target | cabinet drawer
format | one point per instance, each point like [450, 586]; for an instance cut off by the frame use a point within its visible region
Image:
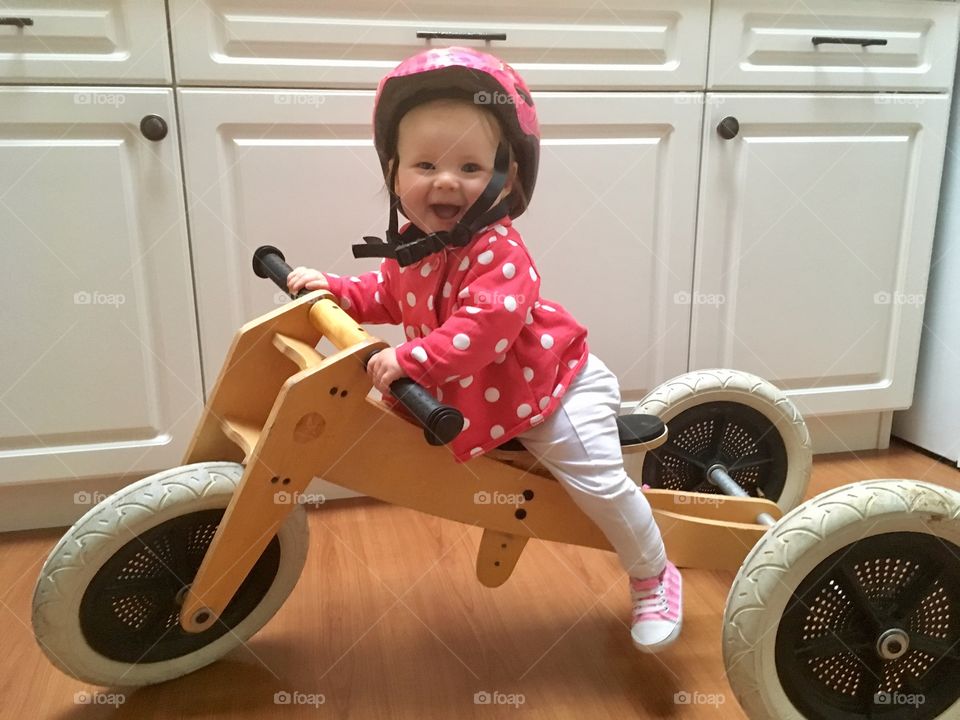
[121, 41]
[572, 44]
[845, 44]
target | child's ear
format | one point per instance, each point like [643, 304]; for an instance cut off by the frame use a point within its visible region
[511, 177]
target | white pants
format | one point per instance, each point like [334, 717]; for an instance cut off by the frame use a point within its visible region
[580, 444]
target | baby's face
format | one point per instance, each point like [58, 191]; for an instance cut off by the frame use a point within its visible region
[445, 152]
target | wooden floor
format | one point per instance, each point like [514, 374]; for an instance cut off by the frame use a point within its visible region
[388, 621]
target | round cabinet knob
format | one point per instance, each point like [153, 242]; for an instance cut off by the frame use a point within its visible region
[153, 127]
[728, 128]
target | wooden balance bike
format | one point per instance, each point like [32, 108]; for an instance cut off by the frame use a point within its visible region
[847, 606]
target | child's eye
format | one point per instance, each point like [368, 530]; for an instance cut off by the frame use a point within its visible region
[472, 168]
[424, 165]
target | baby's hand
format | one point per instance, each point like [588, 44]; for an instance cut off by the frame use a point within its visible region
[383, 368]
[304, 277]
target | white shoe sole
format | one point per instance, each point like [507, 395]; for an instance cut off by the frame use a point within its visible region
[657, 647]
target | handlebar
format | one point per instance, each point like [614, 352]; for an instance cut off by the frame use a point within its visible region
[441, 423]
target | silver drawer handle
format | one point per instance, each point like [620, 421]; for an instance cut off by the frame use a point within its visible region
[864, 42]
[19, 22]
[443, 35]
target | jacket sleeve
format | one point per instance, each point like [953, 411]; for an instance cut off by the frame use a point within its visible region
[499, 292]
[367, 298]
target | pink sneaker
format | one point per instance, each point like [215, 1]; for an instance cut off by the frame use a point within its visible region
[657, 609]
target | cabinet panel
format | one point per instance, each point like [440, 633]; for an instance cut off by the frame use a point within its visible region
[611, 226]
[833, 45]
[561, 45]
[101, 369]
[814, 241]
[292, 169]
[121, 41]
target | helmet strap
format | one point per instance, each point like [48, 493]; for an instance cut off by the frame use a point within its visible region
[414, 244]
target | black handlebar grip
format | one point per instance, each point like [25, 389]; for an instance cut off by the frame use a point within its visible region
[269, 262]
[441, 423]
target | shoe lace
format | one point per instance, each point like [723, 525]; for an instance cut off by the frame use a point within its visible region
[652, 599]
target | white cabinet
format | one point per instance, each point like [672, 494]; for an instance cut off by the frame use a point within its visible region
[833, 45]
[573, 44]
[291, 169]
[797, 249]
[611, 226]
[100, 362]
[115, 41]
[814, 239]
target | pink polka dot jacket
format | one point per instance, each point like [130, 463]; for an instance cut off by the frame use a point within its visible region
[478, 333]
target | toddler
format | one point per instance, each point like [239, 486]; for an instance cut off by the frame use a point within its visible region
[458, 140]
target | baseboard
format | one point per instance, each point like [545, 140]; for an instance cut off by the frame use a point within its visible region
[847, 433]
[60, 503]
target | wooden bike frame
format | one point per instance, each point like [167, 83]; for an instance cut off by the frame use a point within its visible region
[290, 414]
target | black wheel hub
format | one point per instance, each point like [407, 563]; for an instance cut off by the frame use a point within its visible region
[874, 631]
[740, 439]
[130, 611]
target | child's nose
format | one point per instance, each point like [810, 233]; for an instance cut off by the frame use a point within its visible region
[446, 181]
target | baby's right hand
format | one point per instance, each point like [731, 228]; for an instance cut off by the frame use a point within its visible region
[304, 277]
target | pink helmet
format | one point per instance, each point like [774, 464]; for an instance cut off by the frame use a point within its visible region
[460, 72]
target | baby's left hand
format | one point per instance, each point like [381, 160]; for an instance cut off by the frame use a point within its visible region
[383, 368]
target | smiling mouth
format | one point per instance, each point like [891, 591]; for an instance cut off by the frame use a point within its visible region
[445, 212]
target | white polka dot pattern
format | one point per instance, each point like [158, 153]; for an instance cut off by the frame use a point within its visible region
[477, 333]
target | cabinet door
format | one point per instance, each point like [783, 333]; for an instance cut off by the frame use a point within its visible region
[814, 242]
[296, 170]
[118, 41]
[611, 226]
[100, 365]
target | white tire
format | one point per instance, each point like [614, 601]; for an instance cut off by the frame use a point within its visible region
[178, 497]
[763, 421]
[807, 626]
